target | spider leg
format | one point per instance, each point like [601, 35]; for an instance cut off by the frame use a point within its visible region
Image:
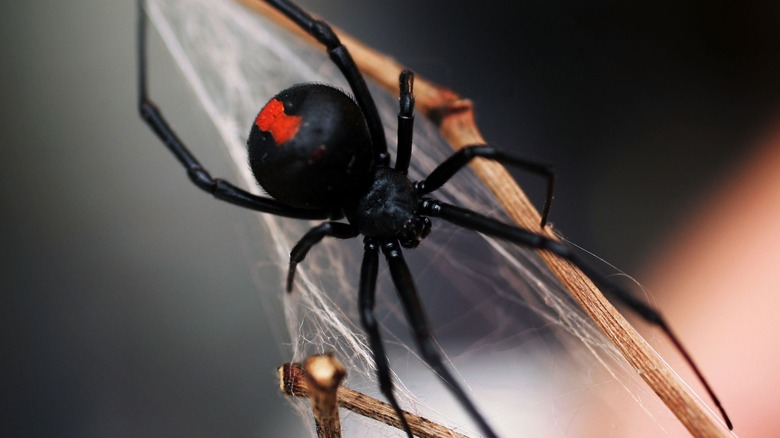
[221, 189]
[477, 222]
[404, 284]
[462, 157]
[368, 274]
[340, 56]
[314, 236]
[405, 121]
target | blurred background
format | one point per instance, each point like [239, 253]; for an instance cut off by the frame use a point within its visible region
[125, 291]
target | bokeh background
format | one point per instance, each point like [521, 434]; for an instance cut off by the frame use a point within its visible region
[127, 305]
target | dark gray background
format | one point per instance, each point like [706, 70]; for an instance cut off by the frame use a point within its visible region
[127, 304]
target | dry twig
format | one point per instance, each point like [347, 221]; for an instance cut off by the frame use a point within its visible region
[295, 380]
[323, 375]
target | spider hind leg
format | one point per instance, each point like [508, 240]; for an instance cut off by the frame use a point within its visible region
[341, 57]
[200, 177]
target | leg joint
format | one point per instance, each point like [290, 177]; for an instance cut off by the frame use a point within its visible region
[201, 178]
[325, 35]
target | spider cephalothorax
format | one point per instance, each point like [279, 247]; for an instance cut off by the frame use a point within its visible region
[388, 208]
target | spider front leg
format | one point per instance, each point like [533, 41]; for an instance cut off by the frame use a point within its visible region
[366, 295]
[462, 157]
[404, 284]
[459, 159]
[491, 227]
[405, 120]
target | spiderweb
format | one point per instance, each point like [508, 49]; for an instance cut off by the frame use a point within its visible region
[532, 361]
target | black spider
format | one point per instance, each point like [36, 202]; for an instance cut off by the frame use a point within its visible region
[322, 155]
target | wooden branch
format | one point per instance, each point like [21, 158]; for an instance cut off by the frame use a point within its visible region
[455, 118]
[323, 375]
[295, 380]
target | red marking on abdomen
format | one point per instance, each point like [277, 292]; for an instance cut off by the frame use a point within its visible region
[273, 119]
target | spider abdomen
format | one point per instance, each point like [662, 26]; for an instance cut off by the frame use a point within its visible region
[310, 147]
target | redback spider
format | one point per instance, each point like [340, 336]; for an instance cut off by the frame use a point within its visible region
[320, 154]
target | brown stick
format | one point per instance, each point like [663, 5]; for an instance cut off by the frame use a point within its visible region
[323, 375]
[294, 381]
[455, 118]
